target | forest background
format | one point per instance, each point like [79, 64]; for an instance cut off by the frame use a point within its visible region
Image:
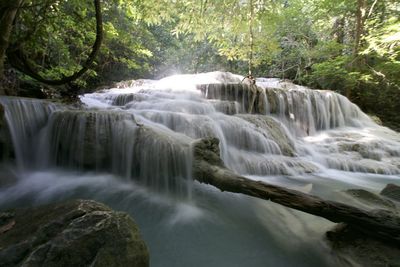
[349, 46]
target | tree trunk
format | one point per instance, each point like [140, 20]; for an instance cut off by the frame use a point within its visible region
[251, 35]
[338, 30]
[360, 19]
[209, 169]
[359, 30]
[8, 10]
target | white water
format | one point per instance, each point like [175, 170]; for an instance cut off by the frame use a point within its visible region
[131, 148]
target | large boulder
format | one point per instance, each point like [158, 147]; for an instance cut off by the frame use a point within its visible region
[75, 233]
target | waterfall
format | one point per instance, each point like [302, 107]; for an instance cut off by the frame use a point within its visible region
[144, 132]
[132, 148]
[114, 141]
[25, 119]
[303, 110]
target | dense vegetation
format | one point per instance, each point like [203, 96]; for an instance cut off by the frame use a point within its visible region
[352, 47]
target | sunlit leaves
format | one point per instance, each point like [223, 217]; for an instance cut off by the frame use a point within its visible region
[385, 41]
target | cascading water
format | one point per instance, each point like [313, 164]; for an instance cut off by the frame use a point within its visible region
[132, 149]
[25, 118]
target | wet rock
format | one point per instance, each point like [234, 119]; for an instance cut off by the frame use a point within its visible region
[250, 97]
[272, 100]
[355, 163]
[226, 107]
[370, 200]
[8, 176]
[207, 149]
[368, 150]
[125, 84]
[123, 99]
[353, 248]
[376, 119]
[84, 138]
[272, 129]
[160, 160]
[391, 191]
[75, 233]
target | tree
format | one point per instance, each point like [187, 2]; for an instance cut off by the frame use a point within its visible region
[22, 63]
[8, 12]
[235, 28]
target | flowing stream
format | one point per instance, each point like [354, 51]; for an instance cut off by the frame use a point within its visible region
[131, 148]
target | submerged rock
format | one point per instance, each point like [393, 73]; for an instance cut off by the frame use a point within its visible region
[75, 233]
[353, 248]
[369, 199]
[391, 191]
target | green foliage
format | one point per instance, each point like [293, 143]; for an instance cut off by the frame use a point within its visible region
[332, 74]
[312, 42]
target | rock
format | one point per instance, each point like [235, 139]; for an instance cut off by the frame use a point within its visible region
[272, 100]
[272, 129]
[370, 199]
[124, 84]
[376, 119]
[123, 99]
[250, 98]
[84, 138]
[353, 248]
[75, 233]
[226, 107]
[391, 191]
[207, 149]
[8, 176]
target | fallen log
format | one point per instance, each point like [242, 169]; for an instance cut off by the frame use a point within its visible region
[208, 168]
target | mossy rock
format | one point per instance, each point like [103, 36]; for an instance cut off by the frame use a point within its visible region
[75, 233]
